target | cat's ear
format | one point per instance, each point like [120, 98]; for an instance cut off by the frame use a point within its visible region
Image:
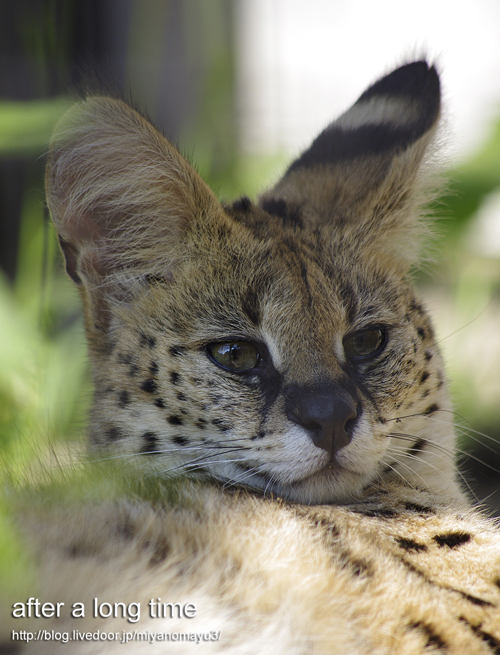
[362, 173]
[119, 193]
[121, 197]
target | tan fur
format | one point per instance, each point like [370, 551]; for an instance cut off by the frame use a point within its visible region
[277, 577]
[290, 536]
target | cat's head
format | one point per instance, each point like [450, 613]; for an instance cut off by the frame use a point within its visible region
[277, 344]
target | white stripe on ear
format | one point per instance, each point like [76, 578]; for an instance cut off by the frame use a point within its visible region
[379, 110]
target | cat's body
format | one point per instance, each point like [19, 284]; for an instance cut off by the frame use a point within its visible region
[272, 362]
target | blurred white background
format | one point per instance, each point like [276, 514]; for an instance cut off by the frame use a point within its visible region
[300, 63]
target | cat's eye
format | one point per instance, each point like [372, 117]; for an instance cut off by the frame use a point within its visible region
[238, 356]
[365, 343]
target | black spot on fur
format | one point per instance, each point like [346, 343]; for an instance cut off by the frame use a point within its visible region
[156, 280]
[383, 513]
[150, 445]
[433, 639]
[160, 553]
[175, 378]
[133, 370]
[480, 602]
[124, 358]
[417, 447]
[223, 427]
[431, 409]
[290, 214]
[147, 340]
[425, 376]
[417, 307]
[488, 638]
[421, 509]
[326, 525]
[201, 423]
[180, 441]
[260, 435]
[180, 396]
[359, 567]
[123, 399]
[354, 565]
[177, 351]
[114, 433]
[452, 539]
[428, 356]
[410, 545]
[175, 420]
[126, 530]
[79, 549]
[159, 402]
[153, 367]
[421, 333]
[149, 386]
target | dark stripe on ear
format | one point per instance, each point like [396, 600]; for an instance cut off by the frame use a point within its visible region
[336, 145]
[417, 83]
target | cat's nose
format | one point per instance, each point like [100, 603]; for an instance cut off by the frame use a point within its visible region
[328, 415]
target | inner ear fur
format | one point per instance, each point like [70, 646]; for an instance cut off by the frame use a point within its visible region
[122, 199]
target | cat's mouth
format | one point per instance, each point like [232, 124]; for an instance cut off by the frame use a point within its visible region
[332, 484]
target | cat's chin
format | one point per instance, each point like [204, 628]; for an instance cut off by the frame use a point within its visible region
[331, 484]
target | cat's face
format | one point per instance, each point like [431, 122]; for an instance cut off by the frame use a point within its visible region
[273, 345]
[270, 360]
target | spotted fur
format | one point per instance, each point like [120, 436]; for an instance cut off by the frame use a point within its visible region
[317, 505]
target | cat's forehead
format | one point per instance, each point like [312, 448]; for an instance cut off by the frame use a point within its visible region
[278, 235]
[265, 266]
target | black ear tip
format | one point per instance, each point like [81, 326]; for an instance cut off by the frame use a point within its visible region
[388, 117]
[416, 80]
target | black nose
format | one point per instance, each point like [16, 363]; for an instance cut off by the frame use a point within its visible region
[328, 414]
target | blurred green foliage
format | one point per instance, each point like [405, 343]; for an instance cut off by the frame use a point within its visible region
[471, 182]
[25, 127]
